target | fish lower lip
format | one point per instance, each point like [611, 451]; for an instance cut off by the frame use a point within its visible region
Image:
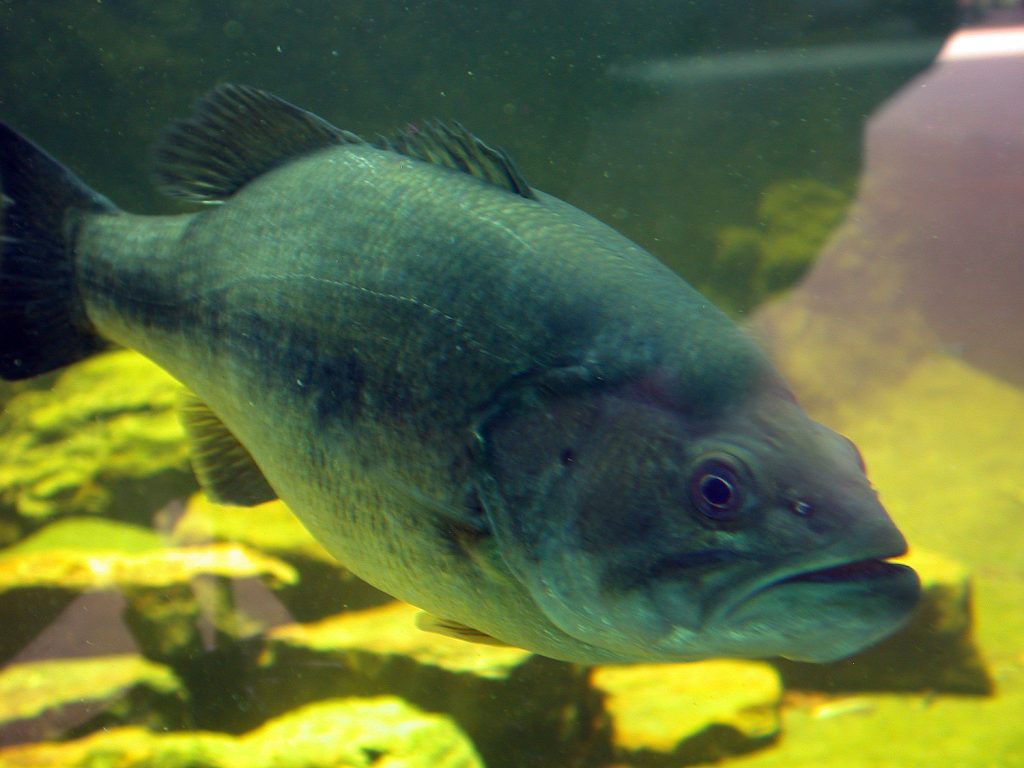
[859, 570]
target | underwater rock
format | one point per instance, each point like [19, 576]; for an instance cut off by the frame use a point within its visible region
[82, 571]
[105, 439]
[27, 610]
[934, 652]
[323, 587]
[929, 257]
[25, 613]
[384, 732]
[9, 389]
[61, 698]
[680, 714]
[354, 733]
[88, 534]
[509, 701]
[40, 576]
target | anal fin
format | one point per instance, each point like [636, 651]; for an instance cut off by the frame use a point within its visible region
[430, 623]
[226, 470]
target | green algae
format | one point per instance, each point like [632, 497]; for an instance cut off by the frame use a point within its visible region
[270, 527]
[901, 731]
[35, 586]
[390, 630]
[91, 570]
[942, 444]
[104, 440]
[323, 586]
[679, 714]
[936, 650]
[86, 534]
[353, 733]
[384, 732]
[28, 608]
[500, 696]
[111, 690]
[795, 219]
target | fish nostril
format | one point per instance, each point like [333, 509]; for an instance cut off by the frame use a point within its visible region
[803, 508]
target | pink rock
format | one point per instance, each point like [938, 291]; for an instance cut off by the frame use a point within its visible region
[932, 253]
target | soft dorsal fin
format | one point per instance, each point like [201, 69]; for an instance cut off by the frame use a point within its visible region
[236, 134]
[430, 623]
[452, 146]
[226, 470]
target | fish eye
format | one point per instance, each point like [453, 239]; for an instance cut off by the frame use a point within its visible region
[715, 490]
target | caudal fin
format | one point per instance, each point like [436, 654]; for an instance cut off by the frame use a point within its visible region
[43, 324]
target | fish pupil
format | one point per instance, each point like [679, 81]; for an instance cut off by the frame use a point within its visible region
[716, 490]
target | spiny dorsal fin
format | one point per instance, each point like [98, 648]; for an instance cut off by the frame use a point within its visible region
[226, 470]
[430, 623]
[452, 146]
[236, 134]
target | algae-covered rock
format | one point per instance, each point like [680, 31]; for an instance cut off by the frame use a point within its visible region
[680, 714]
[87, 534]
[323, 586]
[934, 652]
[354, 733]
[384, 732]
[796, 218]
[38, 580]
[90, 570]
[26, 609]
[104, 439]
[9, 389]
[898, 731]
[508, 700]
[58, 698]
[270, 527]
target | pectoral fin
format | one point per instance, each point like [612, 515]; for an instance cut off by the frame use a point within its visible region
[226, 470]
[449, 628]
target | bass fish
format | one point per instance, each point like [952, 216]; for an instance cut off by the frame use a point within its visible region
[480, 399]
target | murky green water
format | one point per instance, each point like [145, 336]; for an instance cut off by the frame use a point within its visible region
[812, 169]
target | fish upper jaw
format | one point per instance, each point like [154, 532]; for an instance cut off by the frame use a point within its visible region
[856, 557]
[819, 607]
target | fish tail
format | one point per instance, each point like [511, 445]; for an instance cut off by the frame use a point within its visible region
[43, 323]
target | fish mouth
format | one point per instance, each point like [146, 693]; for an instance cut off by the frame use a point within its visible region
[865, 569]
[703, 565]
[857, 570]
[874, 573]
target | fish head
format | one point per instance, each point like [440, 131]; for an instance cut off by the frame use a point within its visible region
[653, 533]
